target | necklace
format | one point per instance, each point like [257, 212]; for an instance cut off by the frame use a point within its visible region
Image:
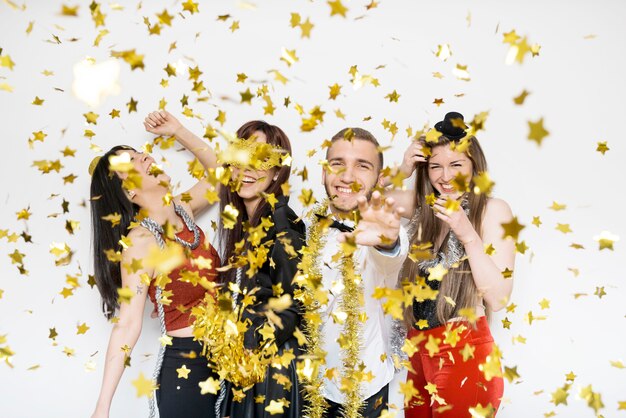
[157, 230]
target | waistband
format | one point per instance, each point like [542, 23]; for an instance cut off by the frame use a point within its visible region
[467, 332]
[183, 346]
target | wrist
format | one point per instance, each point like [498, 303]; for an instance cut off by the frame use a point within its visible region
[388, 247]
[179, 131]
[471, 240]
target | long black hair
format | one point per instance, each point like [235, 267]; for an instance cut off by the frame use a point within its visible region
[229, 237]
[107, 198]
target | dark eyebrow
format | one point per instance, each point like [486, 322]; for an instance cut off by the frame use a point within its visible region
[359, 160]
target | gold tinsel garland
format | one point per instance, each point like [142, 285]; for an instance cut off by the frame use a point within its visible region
[312, 294]
[221, 330]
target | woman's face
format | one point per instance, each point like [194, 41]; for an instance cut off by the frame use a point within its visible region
[253, 182]
[145, 167]
[444, 165]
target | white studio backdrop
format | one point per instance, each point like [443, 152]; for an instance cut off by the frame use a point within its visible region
[576, 85]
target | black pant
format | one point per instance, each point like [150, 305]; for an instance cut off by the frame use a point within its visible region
[372, 407]
[180, 397]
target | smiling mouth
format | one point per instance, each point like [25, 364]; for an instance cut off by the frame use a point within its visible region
[344, 190]
[447, 188]
[248, 180]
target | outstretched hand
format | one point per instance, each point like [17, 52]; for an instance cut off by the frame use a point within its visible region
[161, 123]
[379, 225]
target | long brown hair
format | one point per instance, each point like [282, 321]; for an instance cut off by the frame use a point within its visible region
[230, 237]
[458, 283]
[108, 197]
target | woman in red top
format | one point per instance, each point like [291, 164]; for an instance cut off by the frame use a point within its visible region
[128, 185]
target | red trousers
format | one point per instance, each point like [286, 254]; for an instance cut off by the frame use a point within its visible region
[451, 365]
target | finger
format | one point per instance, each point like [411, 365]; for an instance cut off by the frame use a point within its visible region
[375, 200]
[362, 203]
[389, 202]
[443, 217]
[148, 127]
[154, 121]
[398, 212]
[162, 118]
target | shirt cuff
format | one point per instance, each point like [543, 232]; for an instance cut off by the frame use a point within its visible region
[391, 252]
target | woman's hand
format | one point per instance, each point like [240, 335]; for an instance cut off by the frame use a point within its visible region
[457, 220]
[162, 123]
[412, 156]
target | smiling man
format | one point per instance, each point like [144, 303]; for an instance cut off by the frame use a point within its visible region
[350, 177]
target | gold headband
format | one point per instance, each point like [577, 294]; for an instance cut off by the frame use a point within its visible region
[242, 153]
[93, 164]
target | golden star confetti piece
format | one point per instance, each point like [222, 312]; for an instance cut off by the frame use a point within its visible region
[132, 105]
[144, 387]
[461, 73]
[564, 228]
[38, 102]
[289, 56]
[62, 252]
[606, 240]
[82, 329]
[91, 118]
[512, 229]
[519, 100]
[557, 206]
[190, 6]
[337, 8]
[479, 411]
[234, 26]
[275, 407]
[537, 132]
[602, 147]
[593, 399]
[130, 57]
[599, 292]
[393, 97]
[443, 52]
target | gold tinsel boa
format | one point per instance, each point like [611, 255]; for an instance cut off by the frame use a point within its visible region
[313, 295]
[221, 330]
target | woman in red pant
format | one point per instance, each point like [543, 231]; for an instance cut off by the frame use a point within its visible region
[455, 366]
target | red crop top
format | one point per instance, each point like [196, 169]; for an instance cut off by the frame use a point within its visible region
[185, 295]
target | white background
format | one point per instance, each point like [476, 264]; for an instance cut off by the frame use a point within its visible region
[576, 84]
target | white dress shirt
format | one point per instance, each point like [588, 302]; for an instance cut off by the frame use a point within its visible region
[377, 269]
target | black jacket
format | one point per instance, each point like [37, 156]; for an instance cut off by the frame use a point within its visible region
[281, 270]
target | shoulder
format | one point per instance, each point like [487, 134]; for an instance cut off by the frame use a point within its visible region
[286, 220]
[497, 208]
[140, 241]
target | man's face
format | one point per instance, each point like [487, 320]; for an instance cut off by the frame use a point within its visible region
[353, 171]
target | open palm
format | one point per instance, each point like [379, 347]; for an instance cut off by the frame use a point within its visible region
[379, 224]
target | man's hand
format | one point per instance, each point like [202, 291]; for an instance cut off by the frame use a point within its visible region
[379, 225]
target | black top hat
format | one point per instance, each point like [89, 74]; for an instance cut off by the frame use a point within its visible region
[452, 126]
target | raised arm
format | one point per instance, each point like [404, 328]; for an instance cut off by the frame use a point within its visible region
[163, 123]
[126, 331]
[405, 198]
[487, 270]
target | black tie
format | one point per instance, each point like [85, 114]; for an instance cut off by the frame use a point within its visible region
[337, 225]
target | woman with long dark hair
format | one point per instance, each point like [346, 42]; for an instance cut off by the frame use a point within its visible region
[455, 367]
[133, 211]
[260, 196]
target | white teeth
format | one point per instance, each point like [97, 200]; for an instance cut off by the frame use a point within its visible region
[344, 190]
[248, 180]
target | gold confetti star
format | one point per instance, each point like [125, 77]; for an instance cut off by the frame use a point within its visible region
[132, 105]
[165, 18]
[210, 385]
[337, 8]
[234, 26]
[564, 228]
[82, 329]
[537, 131]
[605, 240]
[443, 52]
[131, 57]
[393, 97]
[519, 100]
[190, 6]
[335, 90]
[91, 118]
[275, 407]
[183, 372]
[512, 229]
[144, 387]
[306, 27]
[557, 206]
[602, 147]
